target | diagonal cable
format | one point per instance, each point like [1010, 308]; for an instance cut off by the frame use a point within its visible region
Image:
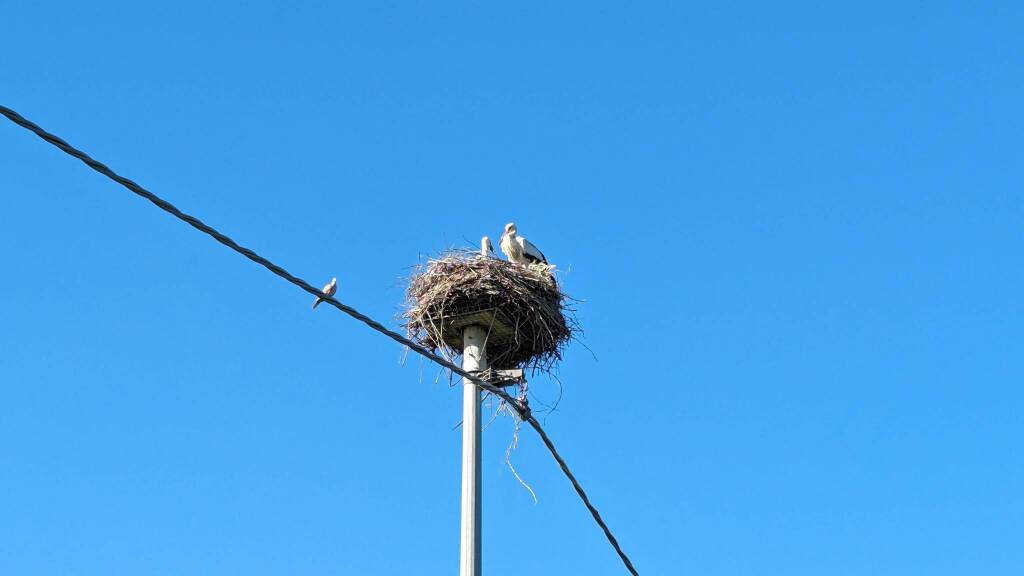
[520, 407]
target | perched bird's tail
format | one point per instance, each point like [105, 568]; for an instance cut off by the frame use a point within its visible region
[317, 303]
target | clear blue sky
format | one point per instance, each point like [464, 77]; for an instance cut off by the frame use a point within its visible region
[797, 229]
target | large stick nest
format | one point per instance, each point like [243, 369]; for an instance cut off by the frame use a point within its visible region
[528, 319]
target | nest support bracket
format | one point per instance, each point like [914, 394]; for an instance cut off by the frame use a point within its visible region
[502, 378]
[497, 324]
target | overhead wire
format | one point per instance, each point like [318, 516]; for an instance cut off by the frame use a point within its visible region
[521, 408]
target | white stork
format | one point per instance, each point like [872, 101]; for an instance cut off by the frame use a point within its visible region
[485, 247]
[519, 250]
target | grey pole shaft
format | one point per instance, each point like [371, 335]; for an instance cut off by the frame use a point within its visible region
[474, 357]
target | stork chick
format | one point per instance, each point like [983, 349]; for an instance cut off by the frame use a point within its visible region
[486, 249]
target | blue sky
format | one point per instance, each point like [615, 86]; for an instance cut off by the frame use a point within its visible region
[796, 228]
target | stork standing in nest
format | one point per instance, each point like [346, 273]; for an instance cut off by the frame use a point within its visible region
[519, 250]
[486, 249]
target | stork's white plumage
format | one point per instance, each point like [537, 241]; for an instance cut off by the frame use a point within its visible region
[519, 250]
[486, 249]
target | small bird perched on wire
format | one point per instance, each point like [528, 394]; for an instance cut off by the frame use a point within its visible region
[328, 290]
[519, 250]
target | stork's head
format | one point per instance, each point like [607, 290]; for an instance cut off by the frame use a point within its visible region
[510, 228]
[485, 246]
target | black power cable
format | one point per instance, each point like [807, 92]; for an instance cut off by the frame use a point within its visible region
[521, 408]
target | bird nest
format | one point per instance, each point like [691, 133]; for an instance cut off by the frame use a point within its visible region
[528, 319]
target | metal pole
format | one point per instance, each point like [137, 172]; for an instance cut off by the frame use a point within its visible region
[474, 357]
